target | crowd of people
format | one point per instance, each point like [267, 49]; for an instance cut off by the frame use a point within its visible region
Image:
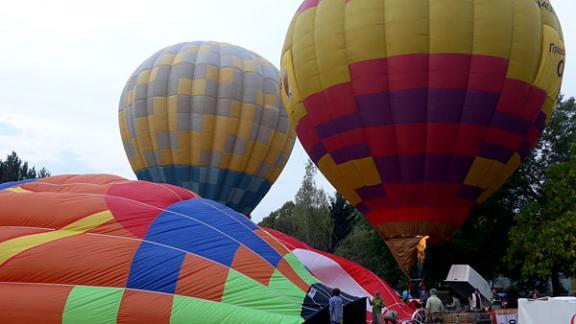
[430, 302]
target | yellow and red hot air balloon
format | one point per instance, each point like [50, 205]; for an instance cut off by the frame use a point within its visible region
[416, 110]
[208, 117]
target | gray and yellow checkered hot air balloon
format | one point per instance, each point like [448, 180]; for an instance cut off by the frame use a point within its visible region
[207, 116]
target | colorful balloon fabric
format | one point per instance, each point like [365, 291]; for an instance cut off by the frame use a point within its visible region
[352, 278]
[417, 110]
[103, 249]
[208, 117]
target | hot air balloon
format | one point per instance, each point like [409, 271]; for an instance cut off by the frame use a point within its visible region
[103, 249]
[352, 278]
[418, 110]
[208, 117]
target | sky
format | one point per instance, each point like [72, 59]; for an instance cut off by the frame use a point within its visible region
[63, 65]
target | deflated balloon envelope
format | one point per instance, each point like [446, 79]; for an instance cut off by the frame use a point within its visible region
[418, 110]
[207, 116]
[350, 277]
[103, 249]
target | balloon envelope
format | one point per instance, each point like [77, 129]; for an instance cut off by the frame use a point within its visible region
[207, 116]
[103, 249]
[417, 110]
[350, 277]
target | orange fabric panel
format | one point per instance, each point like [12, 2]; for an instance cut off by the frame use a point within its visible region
[27, 304]
[201, 278]
[8, 233]
[66, 188]
[30, 209]
[113, 228]
[144, 307]
[281, 249]
[252, 265]
[99, 179]
[89, 260]
[285, 268]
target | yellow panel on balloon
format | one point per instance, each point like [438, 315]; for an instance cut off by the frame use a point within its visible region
[153, 74]
[353, 177]
[549, 77]
[130, 98]
[526, 43]
[212, 72]
[273, 175]
[330, 39]
[338, 180]
[235, 108]
[482, 172]
[549, 106]
[159, 105]
[451, 26]
[368, 171]
[249, 66]
[198, 87]
[172, 104]
[248, 112]
[548, 15]
[492, 28]
[184, 87]
[407, 27]
[143, 77]
[167, 59]
[501, 176]
[237, 163]
[226, 75]
[270, 100]
[304, 55]
[158, 123]
[144, 143]
[360, 17]
[225, 161]
[142, 126]
[165, 157]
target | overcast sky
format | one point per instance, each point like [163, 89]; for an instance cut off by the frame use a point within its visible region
[63, 65]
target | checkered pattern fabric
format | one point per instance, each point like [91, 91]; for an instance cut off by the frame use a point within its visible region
[207, 116]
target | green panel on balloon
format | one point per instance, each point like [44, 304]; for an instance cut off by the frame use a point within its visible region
[300, 269]
[187, 310]
[92, 305]
[243, 291]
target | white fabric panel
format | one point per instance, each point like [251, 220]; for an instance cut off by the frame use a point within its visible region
[552, 310]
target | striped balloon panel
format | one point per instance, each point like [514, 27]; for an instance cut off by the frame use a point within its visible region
[100, 248]
[207, 116]
[416, 110]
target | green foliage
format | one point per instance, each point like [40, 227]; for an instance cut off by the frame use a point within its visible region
[308, 217]
[344, 217]
[543, 241]
[14, 169]
[364, 246]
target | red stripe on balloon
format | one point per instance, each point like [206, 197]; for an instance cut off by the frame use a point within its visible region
[307, 4]
[446, 215]
[437, 71]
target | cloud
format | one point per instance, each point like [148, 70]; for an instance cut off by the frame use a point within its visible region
[63, 146]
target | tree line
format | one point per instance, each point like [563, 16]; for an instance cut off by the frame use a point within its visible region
[526, 231]
[12, 168]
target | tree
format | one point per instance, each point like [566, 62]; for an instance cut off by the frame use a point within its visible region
[364, 246]
[308, 217]
[14, 169]
[281, 219]
[343, 216]
[543, 241]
